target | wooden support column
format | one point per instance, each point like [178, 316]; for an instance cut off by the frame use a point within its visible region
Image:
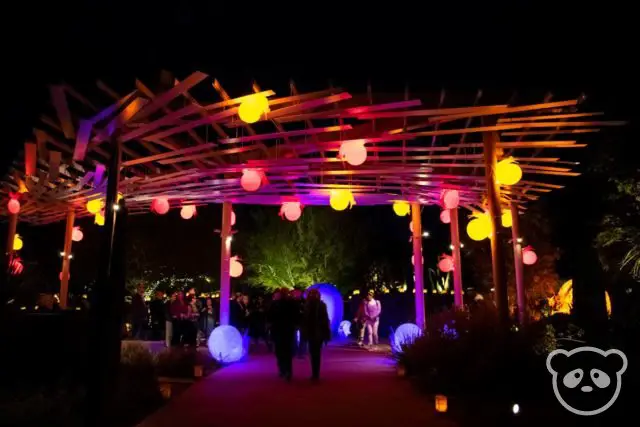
[490, 139]
[11, 234]
[225, 260]
[417, 264]
[457, 262]
[517, 262]
[66, 260]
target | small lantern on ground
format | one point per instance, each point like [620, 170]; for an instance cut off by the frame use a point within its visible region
[441, 403]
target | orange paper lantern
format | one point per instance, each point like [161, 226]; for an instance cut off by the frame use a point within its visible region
[188, 211]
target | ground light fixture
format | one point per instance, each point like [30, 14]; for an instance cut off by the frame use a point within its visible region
[515, 409]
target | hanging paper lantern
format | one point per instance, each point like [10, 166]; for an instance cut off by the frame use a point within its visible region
[252, 108]
[529, 256]
[445, 216]
[450, 199]
[341, 199]
[60, 276]
[188, 211]
[233, 218]
[411, 226]
[413, 260]
[479, 228]
[17, 242]
[16, 267]
[291, 210]
[13, 206]
[508, 172]
[401, 208]
[77, 234]
[506, 219]
[251, 179]
[446, 264]
[160, 205]
[353, 152]
[99, 218]
[236, 268]
[94, 206]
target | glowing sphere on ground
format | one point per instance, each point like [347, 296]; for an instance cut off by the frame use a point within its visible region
[291, 210]
[341, 199]
[160, 205]
[450, 199]
[353, 152]
[225, 344]
[235, 268]
[446, 264]
[506, 219]
[94, 206]
[17, 242]
[445, 216]
[344, 329]
[188, 211]
[404, 335]
[479, 228]
[252, 108]
[13, 206]
[77, 234]
[529, 256]
[251, 180]
[401, 208]
[99, 219]
[508, 172]
[330, 295]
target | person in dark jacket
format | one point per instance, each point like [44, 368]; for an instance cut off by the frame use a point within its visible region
[284, 317]
[239, 313]
[180, 318]
[139, 313]
[156, 313]
[315, 329]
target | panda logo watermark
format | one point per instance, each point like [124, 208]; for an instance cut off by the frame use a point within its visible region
[587, 380]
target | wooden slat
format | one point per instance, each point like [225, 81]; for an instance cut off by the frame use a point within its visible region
[163, 99]
[287, 134]
[162, 156]
[550, 117]
[59, 100]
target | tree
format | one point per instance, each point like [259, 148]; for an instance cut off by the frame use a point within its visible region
[316, 248]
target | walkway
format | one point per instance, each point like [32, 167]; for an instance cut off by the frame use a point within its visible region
[357, 388]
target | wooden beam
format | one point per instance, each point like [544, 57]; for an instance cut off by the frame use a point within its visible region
[550, 117]
[66, 260]
[277, 135]
[225, 260]
[418, 272]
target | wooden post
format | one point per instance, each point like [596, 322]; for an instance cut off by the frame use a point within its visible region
[457, 262]
[11, 234]
[490, 140]
[66, 260]
[517, 262]
[225, 260]
[417, 264]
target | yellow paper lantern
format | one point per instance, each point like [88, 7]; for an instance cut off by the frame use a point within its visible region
[441, 403]
[341, 199]
[479, 228]
[401, 208]
[508, 172]
[94, 206]
[99, 219]
[17, 242]
[252, 108]
[506, 219]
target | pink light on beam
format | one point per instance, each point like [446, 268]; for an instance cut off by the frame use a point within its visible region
[188, 211]
[77, 234]
[450, 199]
[529, 256]
[251, 179]
[160, 205]
[353, 152]
[291, 211]
[445, 216]
[446, 264]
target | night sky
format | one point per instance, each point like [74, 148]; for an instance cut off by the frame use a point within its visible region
[502, 46]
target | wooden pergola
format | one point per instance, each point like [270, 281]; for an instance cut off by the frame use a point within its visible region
[185, 142]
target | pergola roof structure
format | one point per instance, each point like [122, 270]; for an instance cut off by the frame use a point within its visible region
[194, 151]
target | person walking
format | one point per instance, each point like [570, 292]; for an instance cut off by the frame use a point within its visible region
[372, 310]
[193, 324]
[283, 317]
[315, 329]
[360, 322]
[157, 313]
[139, 314]
[208, 317]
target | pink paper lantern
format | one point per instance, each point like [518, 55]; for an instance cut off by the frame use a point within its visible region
[413, 260]
[411, 226]
[353, 152]
[291, 210]
[445, 216]
[235, 268]
[446, 264]
[60, 276]
[450, 199]
[160, 205]
[13, 206]
[251, 179]
[188, 211]
[77, 234]
[233, 218]
[529, 256]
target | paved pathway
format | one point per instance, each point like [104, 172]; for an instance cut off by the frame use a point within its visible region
[357, 388]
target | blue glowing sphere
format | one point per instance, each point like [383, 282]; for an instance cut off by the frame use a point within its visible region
[226, 344]
[344, 330]
[330, 295]
[405, 334]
